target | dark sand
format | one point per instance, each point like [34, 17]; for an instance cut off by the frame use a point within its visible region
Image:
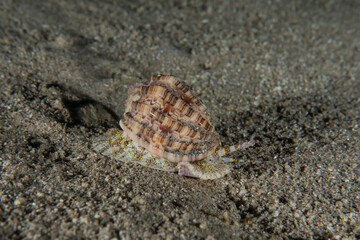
[286, 71]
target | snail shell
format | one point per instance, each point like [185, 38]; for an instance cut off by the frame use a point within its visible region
[166, 118]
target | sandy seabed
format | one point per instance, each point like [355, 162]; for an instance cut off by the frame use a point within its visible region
[287, 72]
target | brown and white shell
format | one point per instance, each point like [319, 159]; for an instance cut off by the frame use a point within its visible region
[167, 119]
[167, 127]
